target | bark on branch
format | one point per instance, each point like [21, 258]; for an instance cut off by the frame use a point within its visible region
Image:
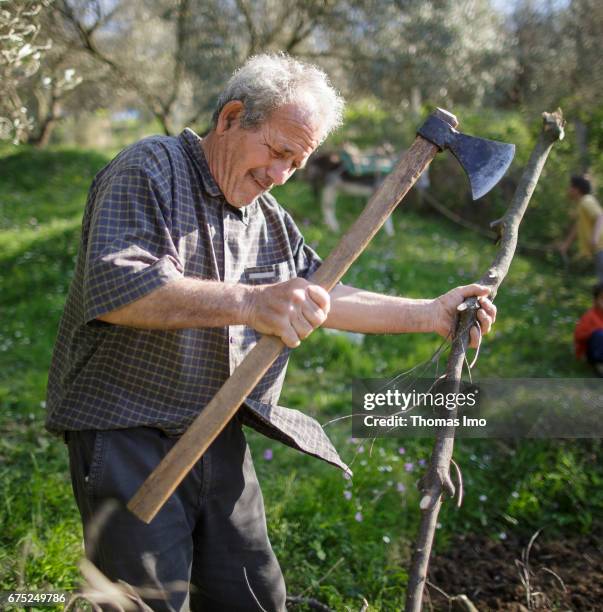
[436, 480]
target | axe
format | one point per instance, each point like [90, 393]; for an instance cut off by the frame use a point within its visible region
[484, 161]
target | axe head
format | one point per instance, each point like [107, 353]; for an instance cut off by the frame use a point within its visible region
[484, 161]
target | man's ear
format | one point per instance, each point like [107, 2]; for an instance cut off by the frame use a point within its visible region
[229, 116]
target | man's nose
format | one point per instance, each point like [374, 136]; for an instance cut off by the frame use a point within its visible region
[279, 171]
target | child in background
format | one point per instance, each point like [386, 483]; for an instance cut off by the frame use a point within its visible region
[588, 335]
[588, 227]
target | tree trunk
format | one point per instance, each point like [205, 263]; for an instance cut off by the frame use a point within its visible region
[41, 139]
[166, 124]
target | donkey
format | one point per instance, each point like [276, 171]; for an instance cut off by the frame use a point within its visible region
[352, 172]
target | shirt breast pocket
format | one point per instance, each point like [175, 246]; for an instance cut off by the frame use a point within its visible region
[267, 274]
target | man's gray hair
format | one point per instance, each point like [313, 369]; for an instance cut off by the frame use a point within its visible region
[268, 81]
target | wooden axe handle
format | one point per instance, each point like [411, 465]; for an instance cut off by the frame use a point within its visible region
[163, 481]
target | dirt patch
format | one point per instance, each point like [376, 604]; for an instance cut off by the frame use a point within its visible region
[564, 574]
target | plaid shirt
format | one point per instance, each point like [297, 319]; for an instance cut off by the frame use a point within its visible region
[155, 214]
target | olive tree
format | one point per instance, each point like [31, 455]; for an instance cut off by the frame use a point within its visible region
[21, 52]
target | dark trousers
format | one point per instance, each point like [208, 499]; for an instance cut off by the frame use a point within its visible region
[211, 534]
[594, 347]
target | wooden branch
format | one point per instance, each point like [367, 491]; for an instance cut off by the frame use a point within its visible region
[436, 480]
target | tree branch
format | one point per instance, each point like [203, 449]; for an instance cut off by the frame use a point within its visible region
[436, 480]
[253, 34]
[299, 34]
[85, 35]
[305, 27]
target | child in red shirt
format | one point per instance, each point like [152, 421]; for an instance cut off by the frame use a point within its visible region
[588, 335]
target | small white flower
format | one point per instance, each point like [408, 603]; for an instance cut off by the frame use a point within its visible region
[386, 539]
[483, 498]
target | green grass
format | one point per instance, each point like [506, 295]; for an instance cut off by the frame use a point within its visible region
[324, 550]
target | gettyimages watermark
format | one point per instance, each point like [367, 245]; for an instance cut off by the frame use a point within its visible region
[489, 408]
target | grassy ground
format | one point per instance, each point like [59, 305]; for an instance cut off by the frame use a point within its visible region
[337, 541]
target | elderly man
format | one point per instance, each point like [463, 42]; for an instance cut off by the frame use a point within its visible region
[185, 259]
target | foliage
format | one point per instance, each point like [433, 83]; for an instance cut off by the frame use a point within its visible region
[20, 56]
[369, 123]
[441, 51]
[197, 45]
[405, 56]
[404, 53]
[316, 517]
[560, 54]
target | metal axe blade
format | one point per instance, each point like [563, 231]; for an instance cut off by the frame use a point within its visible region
[484, 161]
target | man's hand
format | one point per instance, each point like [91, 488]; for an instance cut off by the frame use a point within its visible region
[445, 311]
[289, 310]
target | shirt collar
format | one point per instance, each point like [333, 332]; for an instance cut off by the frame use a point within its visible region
[242, 213]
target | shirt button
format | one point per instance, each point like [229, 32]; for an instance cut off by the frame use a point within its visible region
[231, 340]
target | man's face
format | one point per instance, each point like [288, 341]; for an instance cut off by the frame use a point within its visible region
[252, 161]
[599, 301]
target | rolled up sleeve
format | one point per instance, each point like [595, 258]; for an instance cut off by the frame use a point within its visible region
[130, 250]
[305, 258]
